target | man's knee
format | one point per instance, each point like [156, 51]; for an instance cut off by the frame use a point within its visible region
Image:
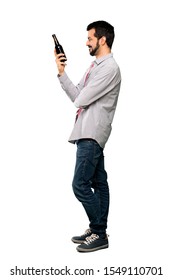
[77, 189]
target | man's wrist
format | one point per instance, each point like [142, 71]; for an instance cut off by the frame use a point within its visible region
[60, 74]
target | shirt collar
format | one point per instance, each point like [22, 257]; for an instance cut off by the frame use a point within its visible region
[101, 59]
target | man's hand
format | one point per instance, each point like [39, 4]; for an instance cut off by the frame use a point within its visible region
[60, 65]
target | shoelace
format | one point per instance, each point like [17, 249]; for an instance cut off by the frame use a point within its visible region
[91, 238]
[86, 232]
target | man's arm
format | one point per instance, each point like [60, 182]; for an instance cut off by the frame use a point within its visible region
[71, 90]
[99, 86]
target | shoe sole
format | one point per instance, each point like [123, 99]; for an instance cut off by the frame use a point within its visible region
[77, 241]
[82, 250]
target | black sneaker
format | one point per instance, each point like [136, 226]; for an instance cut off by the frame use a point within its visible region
[93, 243]
[80, 239]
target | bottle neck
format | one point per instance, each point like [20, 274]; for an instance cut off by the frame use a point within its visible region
[55, 39]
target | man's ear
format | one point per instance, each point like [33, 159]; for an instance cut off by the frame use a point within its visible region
[103, 40]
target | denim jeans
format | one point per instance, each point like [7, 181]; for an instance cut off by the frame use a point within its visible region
[90, 184]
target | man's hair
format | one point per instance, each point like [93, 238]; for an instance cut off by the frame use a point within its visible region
[103, 28]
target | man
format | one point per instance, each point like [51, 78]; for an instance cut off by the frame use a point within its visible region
[95, 97]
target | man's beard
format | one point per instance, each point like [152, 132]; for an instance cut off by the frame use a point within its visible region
[93, 52]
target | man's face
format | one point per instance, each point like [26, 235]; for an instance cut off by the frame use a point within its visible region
[92, 43]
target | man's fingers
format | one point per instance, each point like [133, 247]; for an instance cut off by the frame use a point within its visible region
[58, 56]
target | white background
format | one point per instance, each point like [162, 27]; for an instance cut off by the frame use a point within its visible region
[39, 213]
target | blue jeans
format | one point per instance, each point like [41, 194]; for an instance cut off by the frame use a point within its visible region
[90, 184]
